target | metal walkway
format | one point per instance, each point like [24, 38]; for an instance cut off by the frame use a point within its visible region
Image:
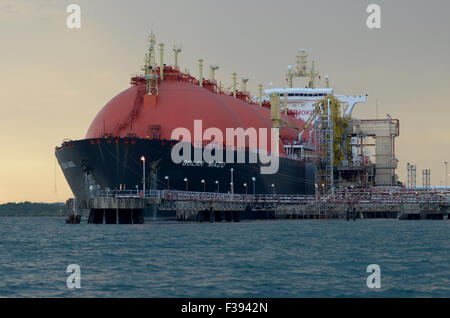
[355, 203]
[351, 197]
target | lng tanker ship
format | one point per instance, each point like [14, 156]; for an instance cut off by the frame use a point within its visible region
[133, 136]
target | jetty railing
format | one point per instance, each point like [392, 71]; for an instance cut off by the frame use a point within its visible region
[341, 196]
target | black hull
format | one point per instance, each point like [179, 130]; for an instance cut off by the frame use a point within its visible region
[115, 163]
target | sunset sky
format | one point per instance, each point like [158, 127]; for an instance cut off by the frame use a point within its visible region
[54, 80]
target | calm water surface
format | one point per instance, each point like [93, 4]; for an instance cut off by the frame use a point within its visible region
[253, 259]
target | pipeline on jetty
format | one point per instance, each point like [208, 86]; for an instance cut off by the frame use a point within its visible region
[126, 207]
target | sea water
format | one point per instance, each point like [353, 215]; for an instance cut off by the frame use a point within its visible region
[296, 258]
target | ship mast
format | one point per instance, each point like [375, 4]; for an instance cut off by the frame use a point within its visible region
[302, 69]
[150, 75]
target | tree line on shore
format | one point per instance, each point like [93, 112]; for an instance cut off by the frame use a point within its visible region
[32, 209]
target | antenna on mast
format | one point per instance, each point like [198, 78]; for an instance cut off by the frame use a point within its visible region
[376, 108]
[161, 61]
[200, 71]
[312, 74]
[244, 85]
[234, 84]
[213, 69]
[177, 49]
[301, 61]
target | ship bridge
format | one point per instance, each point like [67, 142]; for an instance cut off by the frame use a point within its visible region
[300, 102]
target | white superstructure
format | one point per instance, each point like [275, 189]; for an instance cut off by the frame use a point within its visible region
[300, 101]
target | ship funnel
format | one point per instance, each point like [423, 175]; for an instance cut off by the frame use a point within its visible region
[200, 71]
[260, 90]
[177, 50]
[213, 69]
[244, 85]
[234, 84]
[161, 61]
[275, 114]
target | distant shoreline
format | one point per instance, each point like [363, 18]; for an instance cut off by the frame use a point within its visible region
[29, 209]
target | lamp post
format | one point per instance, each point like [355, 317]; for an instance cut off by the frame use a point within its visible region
[143, 175]
[273, 188]
[232, 190]
[245, 185]
[168, 182]
[186, 180]
[254, 187]
[446, 174]
[217, 182]
[204, 185]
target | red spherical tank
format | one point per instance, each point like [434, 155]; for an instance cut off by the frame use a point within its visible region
[178, 105]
